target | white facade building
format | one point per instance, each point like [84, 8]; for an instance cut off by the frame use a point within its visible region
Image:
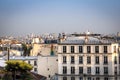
[43, 65]
[28, 59]
[88, 58]
[47, 66]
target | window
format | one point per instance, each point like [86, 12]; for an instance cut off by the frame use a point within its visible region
[49, 76]
[97, 70]
[88, 49]
[18, 48]
[97, 59]
[64, 78]
[5, 48]
[0, 48]
[105, 60]
[35, 63]
[89, 78]
[72, 49]
[97, 78]
[64, 59]
[80, 60]
[89, 70]
[115, 70]
[80, 49]
[115, 60]
[81, 78]
[80, 70]
[106, 78]
[21, 49]
[88, 60]
[72, 70]
[64, 70]
[114, 49]
[64, 49]
[72, 78]
[72, 59]
[35, 69]
[105, 49]
[105, 70]
[96, 49]
[115, 78]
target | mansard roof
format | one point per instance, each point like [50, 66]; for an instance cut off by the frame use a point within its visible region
[85, 40]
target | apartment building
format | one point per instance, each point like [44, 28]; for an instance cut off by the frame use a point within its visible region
[42, 65]
[87, 57]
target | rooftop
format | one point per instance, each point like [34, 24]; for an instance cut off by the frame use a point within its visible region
[85, 40]
[22, 58]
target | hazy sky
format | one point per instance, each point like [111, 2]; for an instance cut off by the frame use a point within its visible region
[19, 17]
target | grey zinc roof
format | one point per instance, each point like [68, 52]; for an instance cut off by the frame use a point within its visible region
[22, 58]
[81, 40]
[74, 40]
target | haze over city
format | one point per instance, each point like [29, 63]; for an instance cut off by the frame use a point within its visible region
[59, 39]
[19, 17]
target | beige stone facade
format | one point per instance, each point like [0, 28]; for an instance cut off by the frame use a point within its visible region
[91, 60]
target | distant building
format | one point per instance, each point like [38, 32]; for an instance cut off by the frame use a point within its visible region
[37, 40]
[87, 57]
[15, 49]
[43, 49]
[118, 34]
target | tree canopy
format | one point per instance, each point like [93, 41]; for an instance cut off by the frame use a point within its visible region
[18, 67]
[13, 65]
[26, 49]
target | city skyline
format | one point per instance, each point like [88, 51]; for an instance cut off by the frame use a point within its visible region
[19, 17]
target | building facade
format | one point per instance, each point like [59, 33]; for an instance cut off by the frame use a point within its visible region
[43, 49]
[88, 58]
[42, 65]
[33, 60]
[47, 66]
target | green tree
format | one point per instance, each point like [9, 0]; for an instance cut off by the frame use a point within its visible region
[17, 67]
[26, 48]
